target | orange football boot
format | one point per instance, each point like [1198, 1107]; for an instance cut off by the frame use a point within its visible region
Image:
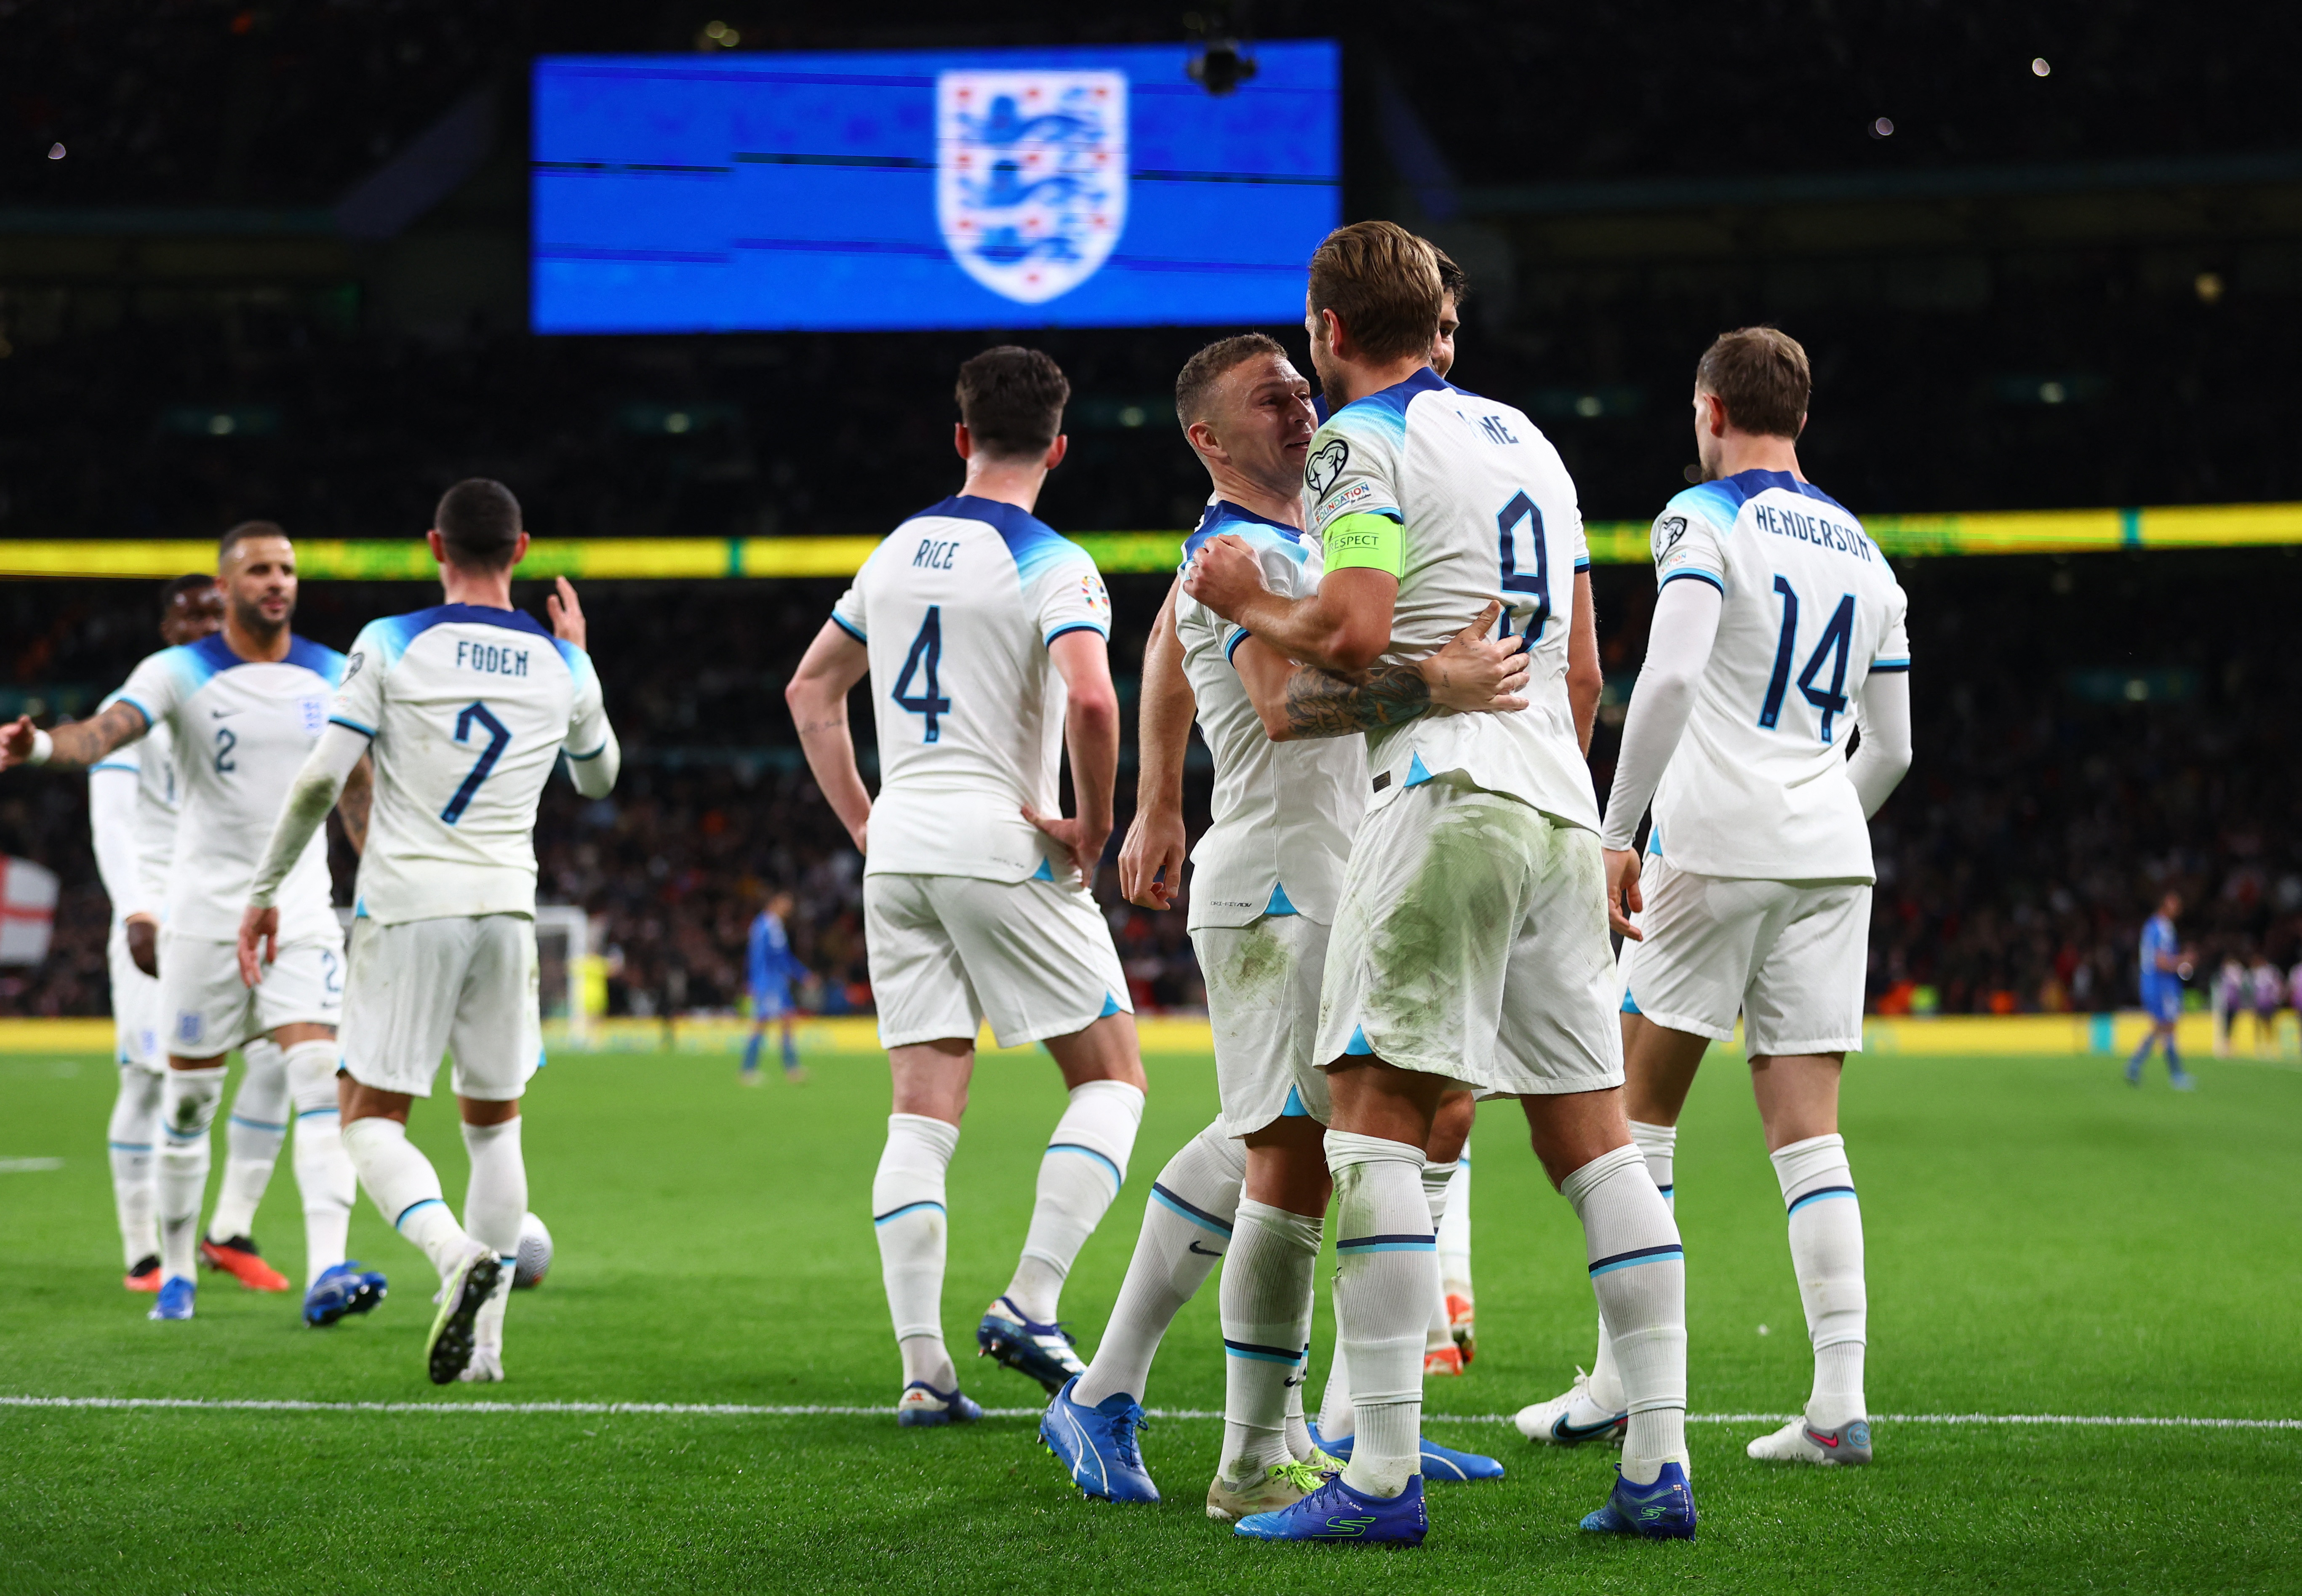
[239, 1258]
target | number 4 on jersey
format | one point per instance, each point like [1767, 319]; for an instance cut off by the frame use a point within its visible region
[924, 660]
[1832, 648]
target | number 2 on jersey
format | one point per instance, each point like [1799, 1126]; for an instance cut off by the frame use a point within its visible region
[499, 739]
[925, 661]
[1537, 581]
[1832, 648]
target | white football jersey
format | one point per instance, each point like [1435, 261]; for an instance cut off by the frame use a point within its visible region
[957, 607]
[242, 729]
[1487, 511]
[151, 759]
[466, 709]
[1282, 816]
[1756, 786]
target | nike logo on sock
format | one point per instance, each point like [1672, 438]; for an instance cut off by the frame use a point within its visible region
[1205, 1252]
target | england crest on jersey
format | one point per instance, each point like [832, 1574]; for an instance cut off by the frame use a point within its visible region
[1031, 176]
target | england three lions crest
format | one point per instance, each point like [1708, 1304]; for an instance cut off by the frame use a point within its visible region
[1031, 177]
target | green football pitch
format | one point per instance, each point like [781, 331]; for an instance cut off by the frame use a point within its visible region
[2043, 1241]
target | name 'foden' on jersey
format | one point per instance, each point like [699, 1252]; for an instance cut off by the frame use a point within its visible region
[493, 659]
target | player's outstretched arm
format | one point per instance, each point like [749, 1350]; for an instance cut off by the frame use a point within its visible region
[1883, 710]
[310, 796]
[1091, 737]
[817, 697]
[1151, 859]
[73, 747]
[1344, 627]
[1474, 673]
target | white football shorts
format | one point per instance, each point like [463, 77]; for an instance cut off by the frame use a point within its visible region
[1791, 955]
[135, 1008]
[949, 952]
[1263, 1000]
[464, 985]
[1472, 945]
[208, 1013]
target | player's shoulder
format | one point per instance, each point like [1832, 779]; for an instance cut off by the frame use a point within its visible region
[1265, 536]
[186, 668]
[384, 642]
[1036, 548]
[1380, 418]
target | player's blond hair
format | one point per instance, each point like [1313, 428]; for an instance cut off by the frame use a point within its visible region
[1383, 283]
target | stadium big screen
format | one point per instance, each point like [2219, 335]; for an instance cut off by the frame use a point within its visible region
[1074, 186]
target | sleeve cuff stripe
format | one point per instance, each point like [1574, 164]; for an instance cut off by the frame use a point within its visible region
[1889, 666]
[148, 717]
[594, 754]
[1692, 575]
[1076, 626]
[850, 630]
[1583, 563]
[114, 764]
[1232, 648]
[365, 731]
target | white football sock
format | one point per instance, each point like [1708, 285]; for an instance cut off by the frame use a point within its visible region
[1660, 1144]
[1337, 1421]
[496, 1200]
[324, 1177]
[1080, 1175]
[908, 1214]
[1455, 1232]
[1187, 1226]
[406, 1190]
[1438, 1181]
[1826, 1225]
[1638, 1272]
[134, 1137]
[252, 1138]
[188, 1107]
[1266, 1320]
[1386, 1271]
[1298, 1431]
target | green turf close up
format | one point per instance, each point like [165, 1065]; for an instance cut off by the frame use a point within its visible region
[2042, 1239]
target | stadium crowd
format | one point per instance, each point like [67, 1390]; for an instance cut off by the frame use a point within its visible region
[2067, 776]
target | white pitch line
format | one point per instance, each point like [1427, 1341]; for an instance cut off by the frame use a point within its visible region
[814, 1410]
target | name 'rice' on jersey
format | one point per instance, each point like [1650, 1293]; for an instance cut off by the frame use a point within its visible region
[1482, 508]
[958, 607]
[242, 729]
[466, 709]
[1282, 814]
[1757, 787]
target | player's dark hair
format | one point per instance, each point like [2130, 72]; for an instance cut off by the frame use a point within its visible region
[1760, 376]
[1011, 401]
[1200, 373]
[1453, 281]
[1383, 283]
[479, 521]
[243, 531]
[191, 581]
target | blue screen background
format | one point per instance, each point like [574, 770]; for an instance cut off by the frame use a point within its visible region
[691, 193]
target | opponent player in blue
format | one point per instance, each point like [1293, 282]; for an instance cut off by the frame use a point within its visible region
[2164, 968]
[771, 967]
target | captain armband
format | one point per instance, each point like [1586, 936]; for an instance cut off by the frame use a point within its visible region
[1364, 542]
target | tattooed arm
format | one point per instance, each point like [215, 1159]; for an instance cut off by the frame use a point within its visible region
[1473, 673]
[73, 747]
[353, 803]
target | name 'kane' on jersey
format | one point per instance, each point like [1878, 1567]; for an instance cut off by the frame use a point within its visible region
[1758, 788]
[958, 607]
[467, 708]
[1486, 510]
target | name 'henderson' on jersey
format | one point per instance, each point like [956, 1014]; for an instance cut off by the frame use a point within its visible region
[1485, 509]
[957, 607]
[1757, 787]
[466, 709]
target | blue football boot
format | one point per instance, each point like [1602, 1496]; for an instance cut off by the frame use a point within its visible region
[176, 1294]
[1662, 1511]
[1335, 1512]
[1441, 1465]
[921, 1405]
[1042, 1351]
[341, 1290]
[1097, 1446]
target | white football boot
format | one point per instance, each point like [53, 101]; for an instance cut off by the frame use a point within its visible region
[1572, 1418]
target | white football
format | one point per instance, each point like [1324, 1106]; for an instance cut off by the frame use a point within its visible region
[534, 1258]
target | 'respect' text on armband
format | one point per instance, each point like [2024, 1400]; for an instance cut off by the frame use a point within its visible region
[1364, 542]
